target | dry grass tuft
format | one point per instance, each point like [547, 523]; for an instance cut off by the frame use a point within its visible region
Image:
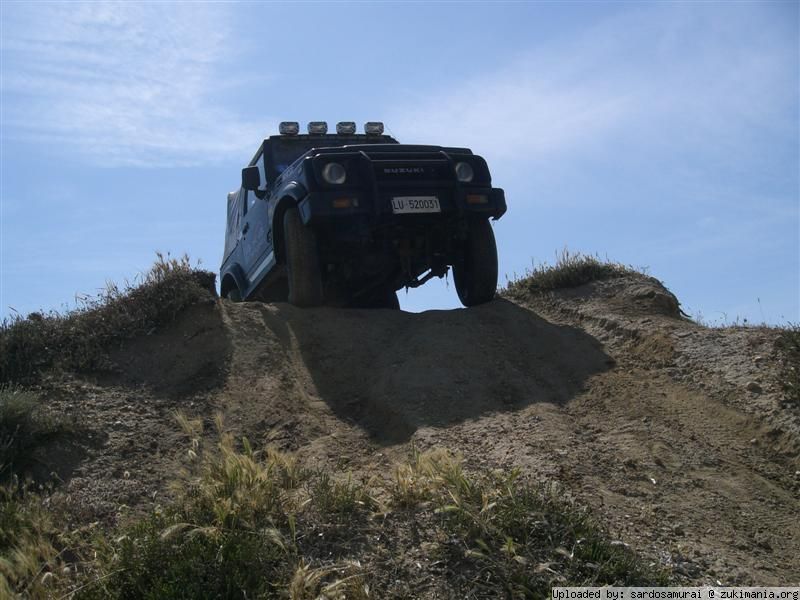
[571, 269]
[79, 339]
[30, 564]
[342, 581]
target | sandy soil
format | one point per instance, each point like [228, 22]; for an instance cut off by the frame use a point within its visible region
[675, 434]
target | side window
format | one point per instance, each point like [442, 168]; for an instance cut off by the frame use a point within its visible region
[262, 189]
[233, 213]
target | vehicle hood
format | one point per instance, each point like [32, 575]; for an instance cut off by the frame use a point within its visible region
[387, 149]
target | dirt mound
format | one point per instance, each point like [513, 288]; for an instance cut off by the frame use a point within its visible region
[677, 435]
[393, 372]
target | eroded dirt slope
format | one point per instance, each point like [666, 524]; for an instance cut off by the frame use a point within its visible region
[674, 433]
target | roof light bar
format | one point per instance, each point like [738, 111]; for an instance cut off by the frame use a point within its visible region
[318, 127]
[289, 128]
[346, 127]
[373, 128]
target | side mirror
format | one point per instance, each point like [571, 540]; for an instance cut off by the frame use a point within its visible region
[251, 178]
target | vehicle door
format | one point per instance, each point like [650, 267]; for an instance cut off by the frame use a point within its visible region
[256, 234]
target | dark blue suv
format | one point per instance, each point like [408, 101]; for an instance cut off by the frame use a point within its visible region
[347, 219]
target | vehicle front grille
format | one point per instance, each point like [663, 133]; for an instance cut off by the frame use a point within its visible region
[399, 171]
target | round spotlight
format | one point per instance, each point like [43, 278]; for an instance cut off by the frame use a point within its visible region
[334, 173]
[464, 172]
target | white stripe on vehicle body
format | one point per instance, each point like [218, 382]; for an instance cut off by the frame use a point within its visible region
[263, 265]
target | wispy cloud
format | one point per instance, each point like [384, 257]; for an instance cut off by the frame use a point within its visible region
[694, 76]
[123, 82]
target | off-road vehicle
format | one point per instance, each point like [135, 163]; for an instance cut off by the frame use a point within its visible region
[347, 219]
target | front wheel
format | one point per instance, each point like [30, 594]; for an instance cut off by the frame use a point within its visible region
[380, 298]
[475, 269]
[302, 261]
[389, 300]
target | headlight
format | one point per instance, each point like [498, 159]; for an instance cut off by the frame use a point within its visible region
[464, 172]
[334, 173]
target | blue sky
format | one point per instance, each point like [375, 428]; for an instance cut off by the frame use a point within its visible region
[662, 135]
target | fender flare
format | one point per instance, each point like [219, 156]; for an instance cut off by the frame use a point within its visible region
[291, 195]
[233, 276]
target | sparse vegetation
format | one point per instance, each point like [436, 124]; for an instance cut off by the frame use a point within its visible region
[571, 269]
[788, 344]
[251, 523]
[24, 425]
[515, 536]
[237, 530]
[80, 338]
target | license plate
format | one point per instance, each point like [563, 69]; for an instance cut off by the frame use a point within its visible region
[415, 204]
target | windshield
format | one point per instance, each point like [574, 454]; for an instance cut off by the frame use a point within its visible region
[286, 151]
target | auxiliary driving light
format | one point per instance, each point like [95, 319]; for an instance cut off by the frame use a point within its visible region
[346, 127]
[464, 172]
[289, 128]
[334, 173]
[318, 127]
[373, 128]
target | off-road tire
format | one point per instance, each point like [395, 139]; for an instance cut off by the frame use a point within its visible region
[475, 269]
[380, 298]
[392, 301]
[234, 295]
[387, 299]
[302, 261]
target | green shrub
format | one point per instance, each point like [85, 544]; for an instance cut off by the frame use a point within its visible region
[231, 533]
[79, 339]
[24, 426]
[163, 556]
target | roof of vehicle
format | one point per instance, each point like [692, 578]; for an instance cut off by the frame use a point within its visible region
[327, 140]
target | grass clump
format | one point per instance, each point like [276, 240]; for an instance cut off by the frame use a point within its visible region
[30, 564]
[249, 523]
[345, 581]
[24, 426]
[517, 537]
[338, 499]
[571, 269]
[236, 530]
[80, 338]
[788, 345]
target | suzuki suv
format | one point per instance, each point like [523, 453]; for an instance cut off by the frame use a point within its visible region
[347, 219]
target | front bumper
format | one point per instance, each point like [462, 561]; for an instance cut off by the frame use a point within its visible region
[322, 206]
